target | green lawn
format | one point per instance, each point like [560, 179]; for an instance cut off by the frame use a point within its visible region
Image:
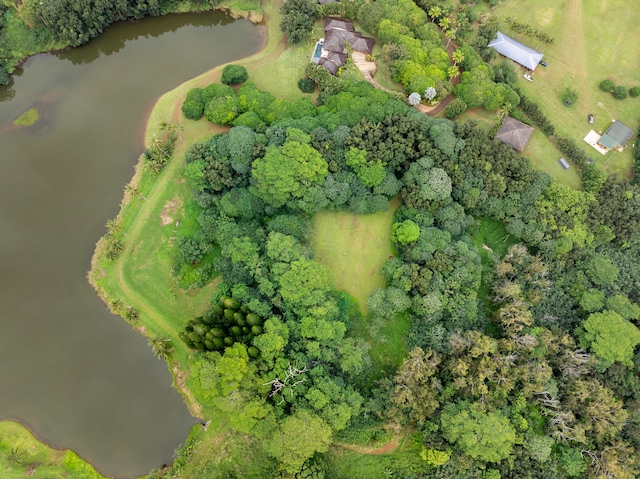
[22, 455]
[354, 248]
[594, 40]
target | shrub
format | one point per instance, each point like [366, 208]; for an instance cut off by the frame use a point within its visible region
[569, 95]
[456, 108]
[306, 85]
[620, 92]
[193, 106]
[234, 74]
[635, 91]
[606, 85]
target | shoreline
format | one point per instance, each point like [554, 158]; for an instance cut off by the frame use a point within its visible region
[93, 274]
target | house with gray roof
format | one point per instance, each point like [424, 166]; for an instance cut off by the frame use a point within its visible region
[333, 48]
[616, 136]
[514, 133]
[516, 51]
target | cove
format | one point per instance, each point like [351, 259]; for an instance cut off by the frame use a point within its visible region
[76, 375]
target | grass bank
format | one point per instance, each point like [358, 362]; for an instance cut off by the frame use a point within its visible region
[22, 455]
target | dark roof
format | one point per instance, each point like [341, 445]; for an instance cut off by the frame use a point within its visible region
[362, 44]
[330, 66]
[339, 23]
[617, 135]
[335, 40]
[514, 133]
[516, 51]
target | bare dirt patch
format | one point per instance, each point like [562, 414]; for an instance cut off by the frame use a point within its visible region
[170, 210]
[181, 377]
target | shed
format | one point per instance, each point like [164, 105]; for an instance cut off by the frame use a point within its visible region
[616, 136]
[516, 51]
[514, 133]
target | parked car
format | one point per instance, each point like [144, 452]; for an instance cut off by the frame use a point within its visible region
[543, 63]
[590, 117]
[527, 77]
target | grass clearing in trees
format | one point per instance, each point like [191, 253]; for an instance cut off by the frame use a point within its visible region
[355, 248]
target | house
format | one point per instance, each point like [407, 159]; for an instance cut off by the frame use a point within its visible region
[516, 51]
[514, 133]
[339, 35]
[616, 136]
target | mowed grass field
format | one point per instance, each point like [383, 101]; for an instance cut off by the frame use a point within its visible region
[593, 40]
[354, 248]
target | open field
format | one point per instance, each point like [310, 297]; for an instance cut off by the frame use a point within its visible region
[592, 41]
[354, 248]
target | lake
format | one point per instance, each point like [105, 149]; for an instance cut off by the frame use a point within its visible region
[76, 375]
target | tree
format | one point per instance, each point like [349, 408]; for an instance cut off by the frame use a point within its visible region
[306, 85]
[611, 337]
[297, 438]
[406, 232]
[620, 92]
[569, 95]
[161, 347]
[485, 436]
[456, 108]
[607, 85]
[430, 93]
[287, 171]
[234, 74]
[414, 99]
[298, 17]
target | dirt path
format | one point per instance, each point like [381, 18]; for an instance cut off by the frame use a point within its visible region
[385, 449]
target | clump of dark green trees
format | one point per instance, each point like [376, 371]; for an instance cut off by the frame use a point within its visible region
[224, 324]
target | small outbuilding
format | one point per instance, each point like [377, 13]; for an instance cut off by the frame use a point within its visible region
[616, 136]
[516, 51]
[514, 133]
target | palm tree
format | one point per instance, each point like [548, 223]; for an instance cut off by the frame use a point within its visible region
[115, 248]
[504, 110]
[133, 191]
[113, 227]
[161, 347]
[444, 23]
[434, 13]
[457, 57]
[453, 71]
[451, 35]
[15, 456]
[132, 314]
[117, 305]
[172, 128]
